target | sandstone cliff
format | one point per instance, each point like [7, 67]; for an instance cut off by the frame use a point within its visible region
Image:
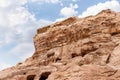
[73, 49]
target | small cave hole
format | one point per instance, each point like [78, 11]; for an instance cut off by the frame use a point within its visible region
[74, 55]
[24, 73]
[30, 77]
[44, 75]
[114, 33]
[58, 59]
[83, 54]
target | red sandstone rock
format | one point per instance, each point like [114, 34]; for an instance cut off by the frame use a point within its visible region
[73, 49]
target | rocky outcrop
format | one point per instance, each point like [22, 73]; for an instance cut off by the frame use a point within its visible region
[73, 49]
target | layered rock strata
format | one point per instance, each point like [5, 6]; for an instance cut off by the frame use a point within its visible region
[74, 49]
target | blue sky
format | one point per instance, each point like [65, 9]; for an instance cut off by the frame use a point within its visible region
[19, 20]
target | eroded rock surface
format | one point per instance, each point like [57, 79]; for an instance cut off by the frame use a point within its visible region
[73, 49]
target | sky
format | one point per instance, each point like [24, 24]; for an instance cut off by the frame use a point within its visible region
[19, 20]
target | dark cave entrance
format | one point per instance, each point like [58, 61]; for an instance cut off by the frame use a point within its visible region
[74, 55]
[30, 77]
[44, 75]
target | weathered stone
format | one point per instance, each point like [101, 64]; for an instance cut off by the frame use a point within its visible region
[73, 49]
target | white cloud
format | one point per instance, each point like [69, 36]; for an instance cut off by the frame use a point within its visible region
[17, 26]
[1, 42]
[93, 10]
[23, 50]
[5, 3]
[74, 0]
[60, 19]
[8, 3]
[4, 65]
[69, 11]
[17, 23]
[53, 1]
[47, 1]
[19, 16]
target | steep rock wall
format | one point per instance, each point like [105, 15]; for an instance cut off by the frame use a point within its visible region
[73, 49]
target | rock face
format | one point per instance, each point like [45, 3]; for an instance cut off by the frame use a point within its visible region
[73, 49]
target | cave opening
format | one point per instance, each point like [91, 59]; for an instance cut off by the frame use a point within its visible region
[58, 59]
[44, 75]
[74, 55]
[30, 77]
